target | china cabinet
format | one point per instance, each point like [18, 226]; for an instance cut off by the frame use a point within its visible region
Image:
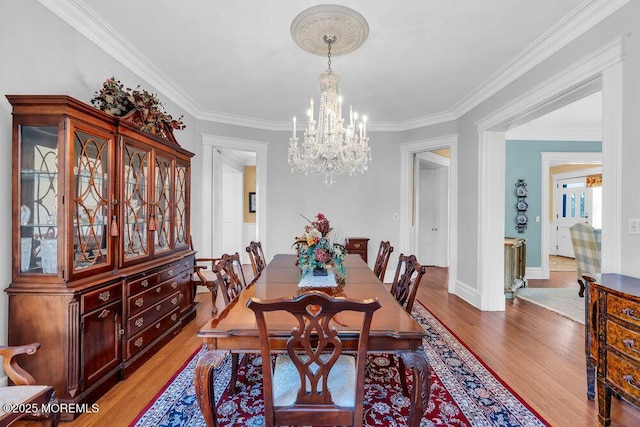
[101, 269]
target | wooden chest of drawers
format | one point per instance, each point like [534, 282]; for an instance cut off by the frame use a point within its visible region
[615, 326]
[358, 245]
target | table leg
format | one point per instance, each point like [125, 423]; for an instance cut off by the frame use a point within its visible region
[417, 362]
[203, 381]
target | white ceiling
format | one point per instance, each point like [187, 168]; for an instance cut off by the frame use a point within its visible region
[235, 61]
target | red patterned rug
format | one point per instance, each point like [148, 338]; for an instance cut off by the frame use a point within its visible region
[464, 391]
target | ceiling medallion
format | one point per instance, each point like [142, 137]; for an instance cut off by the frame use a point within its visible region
[330, 148]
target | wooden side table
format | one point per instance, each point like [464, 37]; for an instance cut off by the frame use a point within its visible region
[358, 245]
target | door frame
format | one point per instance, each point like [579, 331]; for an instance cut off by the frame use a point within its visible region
[407, 243]
[212, 190]
[441, 165]
[550, 159]
[601, 70]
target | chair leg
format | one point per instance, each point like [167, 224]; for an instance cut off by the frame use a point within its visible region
[581, 291]
[231, 389]
[214, 297]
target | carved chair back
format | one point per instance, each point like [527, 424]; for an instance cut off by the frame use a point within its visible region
[229, 276]
[406, 280]
[313, 380]
[258, 261]
[382, 259]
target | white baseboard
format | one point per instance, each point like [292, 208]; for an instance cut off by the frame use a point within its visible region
[535, 273]
[467, 293]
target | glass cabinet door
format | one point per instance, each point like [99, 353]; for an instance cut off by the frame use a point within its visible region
[162, 215]
[136, 202]
[180, 220]
[92, 194]
[39, 198]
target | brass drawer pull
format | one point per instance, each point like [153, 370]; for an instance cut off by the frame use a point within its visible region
[144, 283]
[630, 312]
[631, 381]
[187, 264]
[138, 342]
[630, 344]
[174, 301]
[174, 316]
[104, 296]
[174, 285]
[104, 314]
[170, 272]
[140, 322]
[139, 302]
[158, 325]
[159, 289]
[158, 307]
[356, 245]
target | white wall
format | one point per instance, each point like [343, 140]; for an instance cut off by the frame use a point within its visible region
[43, 55]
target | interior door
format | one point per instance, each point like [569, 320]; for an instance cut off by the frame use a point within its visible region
[573, 205]
[428, 216]
[232, 212]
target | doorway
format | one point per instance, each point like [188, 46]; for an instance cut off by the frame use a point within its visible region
[432, 207]
[218, 151]
[574, 202]
[601, 70]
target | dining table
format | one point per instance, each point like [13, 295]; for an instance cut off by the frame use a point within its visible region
[234, 328]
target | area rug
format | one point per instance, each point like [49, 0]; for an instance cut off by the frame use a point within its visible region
[561, 263]
[564, 301]
[464, 391]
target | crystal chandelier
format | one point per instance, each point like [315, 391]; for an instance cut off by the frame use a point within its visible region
[330, 148]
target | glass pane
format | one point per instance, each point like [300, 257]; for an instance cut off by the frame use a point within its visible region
[136, 202]
[38, 199]
[564, 206]
[91, 200]
[573, 205]
[582, 205]
[181, 206]
[163, 205]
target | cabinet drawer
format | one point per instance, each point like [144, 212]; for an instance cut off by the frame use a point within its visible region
[140, 321]
[624, 374]
[170, 271]
[187, 263]
[138, 342]
[146, 299]
[142, 283]
[625, 340]
[100, 297]
[624, 309]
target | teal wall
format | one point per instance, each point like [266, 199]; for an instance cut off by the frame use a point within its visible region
[523, 161]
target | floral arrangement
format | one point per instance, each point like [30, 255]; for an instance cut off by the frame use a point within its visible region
[317, 249]
[149, 112]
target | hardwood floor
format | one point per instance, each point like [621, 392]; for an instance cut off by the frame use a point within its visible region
[539, 354]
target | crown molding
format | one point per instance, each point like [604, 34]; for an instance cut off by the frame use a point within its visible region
[87, 23]
[581, 19]
[554, 134]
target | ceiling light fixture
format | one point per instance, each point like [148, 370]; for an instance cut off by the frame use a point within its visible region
[330, 148]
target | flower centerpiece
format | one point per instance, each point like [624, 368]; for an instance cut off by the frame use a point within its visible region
[318, 249]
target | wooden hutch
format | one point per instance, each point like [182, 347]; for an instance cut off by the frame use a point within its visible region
[102, 267]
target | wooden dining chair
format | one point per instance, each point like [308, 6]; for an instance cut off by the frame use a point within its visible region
[382, 259]
[204, 272]
[25, 393]
[258, 261]
[404, 288]
[230, 281]
[333, 390]
[229, 276]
